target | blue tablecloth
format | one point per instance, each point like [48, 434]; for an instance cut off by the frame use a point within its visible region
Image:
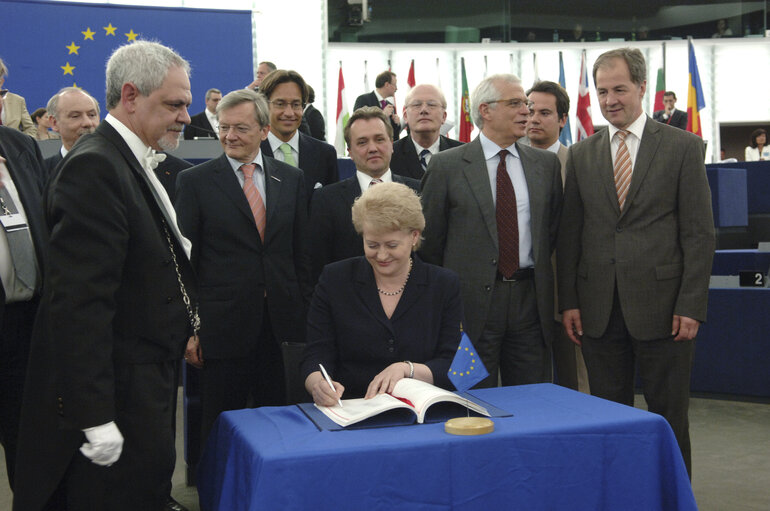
[560, 450]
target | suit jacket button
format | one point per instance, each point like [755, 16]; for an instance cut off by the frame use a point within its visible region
[494, 262]
[612, 261]
[618, 229]
[487, 288]
[391, 349]
[169, 299]
[391, 341]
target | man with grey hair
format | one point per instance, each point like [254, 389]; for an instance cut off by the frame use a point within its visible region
[117, 307]
[73, 113]
[205, 124]
[635, 248]
[246, 216]
[425, 113]
[492, 210]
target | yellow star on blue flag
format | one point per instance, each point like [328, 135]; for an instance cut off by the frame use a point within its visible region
[467, 369]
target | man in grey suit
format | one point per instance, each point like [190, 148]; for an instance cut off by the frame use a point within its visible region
[548, 113]
[635, 248]
[492, 211]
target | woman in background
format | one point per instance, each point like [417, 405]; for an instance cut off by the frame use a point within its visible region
[758, 150]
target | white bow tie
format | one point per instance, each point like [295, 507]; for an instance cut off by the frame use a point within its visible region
[152, 158]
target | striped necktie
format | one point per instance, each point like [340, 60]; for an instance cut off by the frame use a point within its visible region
[622, 168]
[256, 203]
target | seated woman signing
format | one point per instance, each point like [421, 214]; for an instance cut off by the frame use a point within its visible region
[384, 316]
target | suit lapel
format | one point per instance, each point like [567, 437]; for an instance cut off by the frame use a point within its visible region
[366, 289]
[605, 169]
[644, 155]
[266, 149]
[417, 285]
[273, 189]
[533, 174]
[412, 159]
[475, 172]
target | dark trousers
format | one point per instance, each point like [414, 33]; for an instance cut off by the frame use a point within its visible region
[139, 479]
[512, 338]
[15, 334]
[664, 369]
[253, 380]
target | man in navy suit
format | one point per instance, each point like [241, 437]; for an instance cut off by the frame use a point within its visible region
[22, 175]
[205, 124]
[287, 95]
[73, 112]
[386, 85]
[670, 115]
[332, 236]
[246, 216]
[425, 113]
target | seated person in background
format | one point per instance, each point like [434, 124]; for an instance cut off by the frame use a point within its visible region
[43, 125]
[758, 150]
[13, 108]
[384, 316]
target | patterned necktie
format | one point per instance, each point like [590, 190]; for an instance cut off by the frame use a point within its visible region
[423, 154]
[383, 104]
[256, 203]
[288, 155]
[507, 218]
[375, 181]
[19, 240]
[622, 168]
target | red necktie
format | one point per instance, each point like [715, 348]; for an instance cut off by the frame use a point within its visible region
[256, 203]
[507, 221]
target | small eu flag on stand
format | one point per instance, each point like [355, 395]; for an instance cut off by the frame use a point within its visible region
[466, 369]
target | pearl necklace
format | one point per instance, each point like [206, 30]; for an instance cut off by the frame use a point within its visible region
[401, 289]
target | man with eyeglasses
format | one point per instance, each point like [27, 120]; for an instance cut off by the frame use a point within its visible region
[548, 112]
[386, 85]
[245, 214]
[287, 94]
[492, 210]
[204, 124]
[425, 113]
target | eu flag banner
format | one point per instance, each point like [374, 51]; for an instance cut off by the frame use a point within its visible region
[467, 369]
[79, 38]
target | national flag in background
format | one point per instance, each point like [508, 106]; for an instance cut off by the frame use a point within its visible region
[79, 38]
[660, 88]
[565, 137]
[534, 66]
[585, 125]
[695, 101]
[467, 369]
[342, 117]
[466, 126]
[410, 78]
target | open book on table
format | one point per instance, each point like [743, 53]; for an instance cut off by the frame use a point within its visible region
[412, 395]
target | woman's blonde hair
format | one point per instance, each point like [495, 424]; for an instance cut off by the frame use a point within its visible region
[389, 207]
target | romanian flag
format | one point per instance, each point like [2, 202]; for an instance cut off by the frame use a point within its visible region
[342, 117]
[565, 137]
[585, 125]
[465, 109]
[695, 101]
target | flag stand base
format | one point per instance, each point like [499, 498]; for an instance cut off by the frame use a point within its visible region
[469, 426]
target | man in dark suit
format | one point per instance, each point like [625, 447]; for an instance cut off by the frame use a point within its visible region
[287, 94]
[103, 359]
[315, 119]
[492, 210]
[670, 115]
[382, 97]
[246, 215]
[425, 113]
[21, 182]
[635, 247]
[370, 142]
[73, 113]
[204, 124]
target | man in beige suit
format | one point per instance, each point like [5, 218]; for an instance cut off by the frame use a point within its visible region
[548, 113]
[635, 247]
[13, 108]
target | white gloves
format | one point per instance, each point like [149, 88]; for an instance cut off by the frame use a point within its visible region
[105, 443]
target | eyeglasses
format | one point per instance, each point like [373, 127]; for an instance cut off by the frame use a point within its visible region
[241, 129]
[430, 105]
[281, 104]
[513, 103]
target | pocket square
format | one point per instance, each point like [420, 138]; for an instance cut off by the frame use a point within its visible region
[317, 186]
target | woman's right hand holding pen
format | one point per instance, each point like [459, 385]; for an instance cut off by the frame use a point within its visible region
[322, 393]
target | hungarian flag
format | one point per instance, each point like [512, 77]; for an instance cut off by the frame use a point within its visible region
[585, 125]
[695, 101]
[660, 88]
[565, 137]
[342, 116]
[465, 109]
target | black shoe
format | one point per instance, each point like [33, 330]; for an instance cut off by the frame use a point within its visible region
[173, 505]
